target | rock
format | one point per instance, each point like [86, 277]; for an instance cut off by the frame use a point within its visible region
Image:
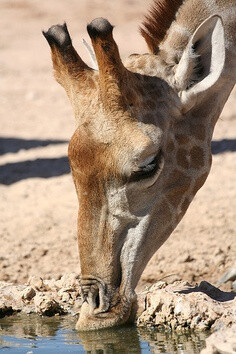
[28, 293]
[36, 282]
[221, 342]
[46, 305]
[46, 297]
[69, 281]
[230, 275]
[10, 298]
[180, 306]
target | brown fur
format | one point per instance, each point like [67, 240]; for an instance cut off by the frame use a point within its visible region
[112, 74]
[158, 21]
[90, 165]
[198, 131]
[197, 157]
[181, 157]
[170, 146]
[177, 184]
[182, 139]
[68, 65]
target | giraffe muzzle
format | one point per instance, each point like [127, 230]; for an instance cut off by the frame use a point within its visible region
[102, 306]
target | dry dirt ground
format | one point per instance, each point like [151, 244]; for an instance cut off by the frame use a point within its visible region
[38, 205]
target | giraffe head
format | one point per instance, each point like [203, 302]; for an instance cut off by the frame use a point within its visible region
[137, 157]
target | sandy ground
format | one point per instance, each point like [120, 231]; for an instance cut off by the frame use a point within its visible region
[38, 205]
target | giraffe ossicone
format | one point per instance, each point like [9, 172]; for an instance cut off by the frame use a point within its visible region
[142, 146]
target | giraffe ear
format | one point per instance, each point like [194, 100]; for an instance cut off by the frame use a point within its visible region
[202, 62]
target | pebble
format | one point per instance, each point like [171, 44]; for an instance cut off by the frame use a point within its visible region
[28, 293]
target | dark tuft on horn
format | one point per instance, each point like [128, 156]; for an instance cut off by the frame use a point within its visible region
[100, 27]
[58, 35]
[69, 69]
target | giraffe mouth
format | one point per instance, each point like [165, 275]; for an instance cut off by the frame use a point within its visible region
[116, 316]
[102, 306]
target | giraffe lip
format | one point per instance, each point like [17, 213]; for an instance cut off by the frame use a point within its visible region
[103, 305]
[117, 314]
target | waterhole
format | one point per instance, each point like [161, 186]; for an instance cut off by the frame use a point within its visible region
[31, 334]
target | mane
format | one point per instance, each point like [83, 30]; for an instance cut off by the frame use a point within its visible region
[158, 21]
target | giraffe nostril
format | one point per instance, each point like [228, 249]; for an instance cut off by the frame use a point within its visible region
[94, 292]
[92, 296]
[97, 301]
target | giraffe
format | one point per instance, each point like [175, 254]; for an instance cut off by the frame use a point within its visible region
[142, 145]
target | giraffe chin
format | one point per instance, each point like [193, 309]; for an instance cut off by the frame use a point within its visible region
[123, 313]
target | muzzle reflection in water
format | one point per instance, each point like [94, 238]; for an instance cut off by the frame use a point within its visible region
[58, 335]
[114, 340]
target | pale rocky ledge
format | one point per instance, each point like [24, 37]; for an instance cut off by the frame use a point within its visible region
[178, 306]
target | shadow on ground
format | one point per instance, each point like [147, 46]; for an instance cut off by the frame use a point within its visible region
[220, 146]
[53, 167]
[41, 167]
[12, 145]
[44, 168]
[210, 290]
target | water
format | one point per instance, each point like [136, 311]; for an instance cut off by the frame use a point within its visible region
[34, 334]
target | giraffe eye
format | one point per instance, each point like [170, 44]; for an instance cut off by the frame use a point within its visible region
[148, 170]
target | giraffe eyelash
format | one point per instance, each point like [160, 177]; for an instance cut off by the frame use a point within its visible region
[149, 170]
